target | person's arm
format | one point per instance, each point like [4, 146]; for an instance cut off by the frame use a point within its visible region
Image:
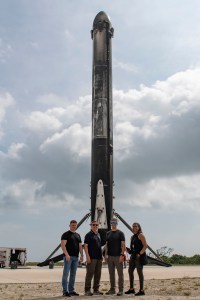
[81, 252]
[106, 252]
[88, 260]
[144, 243]
[123, 245]
[63, 247]
[123, 248]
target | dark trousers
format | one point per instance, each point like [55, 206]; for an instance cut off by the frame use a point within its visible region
[113, 262]
[135, 263]
[93, 270]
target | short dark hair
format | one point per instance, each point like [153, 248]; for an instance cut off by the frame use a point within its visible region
[73, 221]
[114, 220]
[94, 221]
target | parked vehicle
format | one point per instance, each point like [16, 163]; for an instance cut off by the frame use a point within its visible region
[12, 257]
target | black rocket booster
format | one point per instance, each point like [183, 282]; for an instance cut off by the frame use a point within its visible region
[102, 123]
[102, 136]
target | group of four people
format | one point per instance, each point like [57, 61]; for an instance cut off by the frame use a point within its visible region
[114, 254]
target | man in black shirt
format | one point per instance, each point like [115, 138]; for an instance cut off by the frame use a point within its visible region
[114, 253]
[92, 247]
[71, 246]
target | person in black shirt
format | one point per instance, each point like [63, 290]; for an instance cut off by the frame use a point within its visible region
[114, 253]
[138, 246]
[71, 246]
[92, 247]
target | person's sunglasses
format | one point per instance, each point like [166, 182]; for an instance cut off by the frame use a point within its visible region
[95, 225]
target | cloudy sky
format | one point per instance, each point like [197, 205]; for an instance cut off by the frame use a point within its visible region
[45, 119]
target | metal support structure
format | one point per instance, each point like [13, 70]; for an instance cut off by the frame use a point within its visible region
[57, 258]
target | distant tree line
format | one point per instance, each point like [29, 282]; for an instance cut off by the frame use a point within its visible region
[176, 259]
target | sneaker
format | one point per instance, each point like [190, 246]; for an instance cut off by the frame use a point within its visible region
[120, 294]
[130, 292]
[140, 293]
[88, 294]
[110, 292]
[97, 293]
[66, 294]
[73, 293]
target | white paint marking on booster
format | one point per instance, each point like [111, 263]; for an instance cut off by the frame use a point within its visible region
[100, 209]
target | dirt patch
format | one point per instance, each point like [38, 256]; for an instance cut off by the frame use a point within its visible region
[157, 289]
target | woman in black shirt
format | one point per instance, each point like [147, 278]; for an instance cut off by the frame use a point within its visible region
[138, 246]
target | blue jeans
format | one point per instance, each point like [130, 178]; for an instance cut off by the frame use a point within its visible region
[69, 266]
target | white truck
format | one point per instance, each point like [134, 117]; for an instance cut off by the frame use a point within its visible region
[12, 257]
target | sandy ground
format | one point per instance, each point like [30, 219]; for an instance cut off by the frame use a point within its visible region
[175, 283]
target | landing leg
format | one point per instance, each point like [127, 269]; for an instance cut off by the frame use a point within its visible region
[157, 261]
[60, 257]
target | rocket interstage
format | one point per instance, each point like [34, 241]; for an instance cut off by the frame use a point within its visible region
[102, 123]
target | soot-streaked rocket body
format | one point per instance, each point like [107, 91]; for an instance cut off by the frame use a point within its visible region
[102, 123]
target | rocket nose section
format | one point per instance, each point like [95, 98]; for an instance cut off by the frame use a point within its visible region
[100, 18]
